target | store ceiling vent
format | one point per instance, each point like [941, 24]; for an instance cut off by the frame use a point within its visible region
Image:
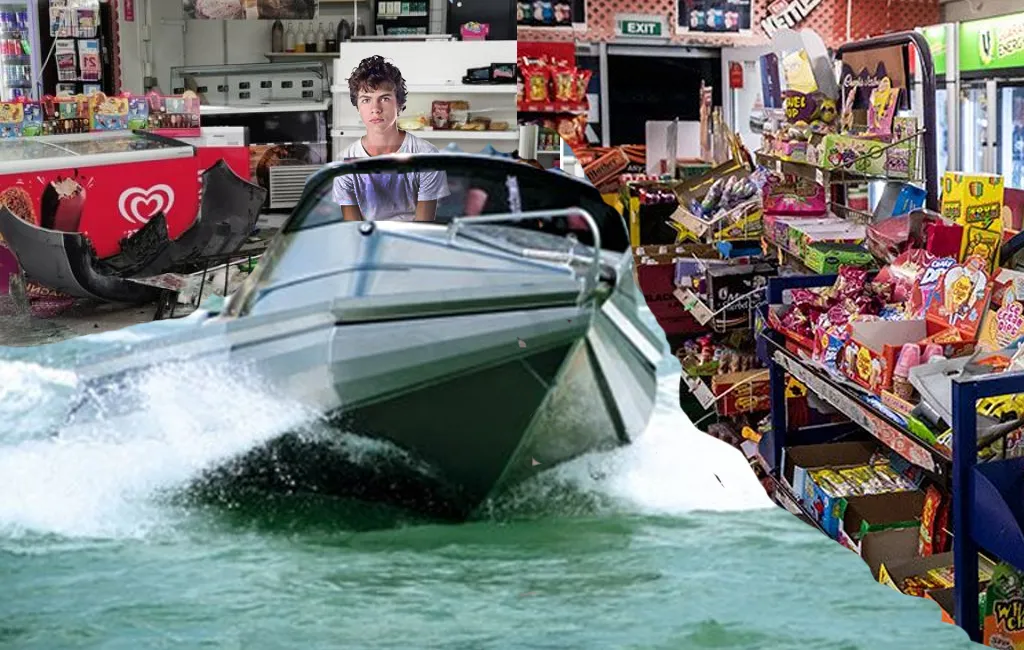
[287, 182]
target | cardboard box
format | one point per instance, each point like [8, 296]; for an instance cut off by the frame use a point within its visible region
[794, 196]
[752, 396]
[799, 462]
[795, 342]
[895, 573]
[867, 517]
[838, 151]
[801, 235]
[880, 512]
[657, 282]
[869, 356]
[873, 157]
[886, 547]
[826, 258]
[973, 199]
[726, 286]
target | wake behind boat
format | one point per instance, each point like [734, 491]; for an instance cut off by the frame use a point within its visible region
[495, 343]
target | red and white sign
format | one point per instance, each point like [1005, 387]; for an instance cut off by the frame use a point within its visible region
[129, 11]
[735, 75]
[110, 202]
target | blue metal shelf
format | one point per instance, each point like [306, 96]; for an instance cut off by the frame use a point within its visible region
[988, 497]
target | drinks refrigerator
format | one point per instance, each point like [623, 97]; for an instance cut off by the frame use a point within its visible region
[992, 118]
[19, 51]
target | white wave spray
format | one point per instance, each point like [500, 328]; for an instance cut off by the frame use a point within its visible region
[672, 469]
[105, 479]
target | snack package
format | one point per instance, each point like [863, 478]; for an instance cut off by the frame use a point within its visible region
[573, 130]
[798, 72]
[564, 79]
[866, 480]
[536, 79]
[932, 502]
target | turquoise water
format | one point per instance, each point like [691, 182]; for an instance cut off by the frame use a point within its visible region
[671, 543]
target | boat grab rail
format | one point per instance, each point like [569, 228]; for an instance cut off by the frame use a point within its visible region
[593, 275]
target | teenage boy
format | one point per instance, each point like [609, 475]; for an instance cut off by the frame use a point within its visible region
[378, 91]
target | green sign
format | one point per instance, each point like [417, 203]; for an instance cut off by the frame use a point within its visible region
[646, 28]
[992, 43]
[936, 37]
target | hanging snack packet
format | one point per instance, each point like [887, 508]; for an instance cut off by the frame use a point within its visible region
[564, 78]
[536, 80]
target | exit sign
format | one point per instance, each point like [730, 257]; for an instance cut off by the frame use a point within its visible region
[641, 26]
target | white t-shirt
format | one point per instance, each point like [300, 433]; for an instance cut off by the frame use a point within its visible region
[382, 197]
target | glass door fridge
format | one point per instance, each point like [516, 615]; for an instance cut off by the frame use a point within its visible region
[19, 51]
[1010, 148]
[978, 121]
[941, 131]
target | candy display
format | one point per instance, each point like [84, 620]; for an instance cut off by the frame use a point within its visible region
[888, 313]
[169, 115]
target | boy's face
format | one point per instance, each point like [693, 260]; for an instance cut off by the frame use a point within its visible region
[378, 108]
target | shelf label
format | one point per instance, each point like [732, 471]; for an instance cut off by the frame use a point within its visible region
[887, 434]
[703, 394]
[694, 305]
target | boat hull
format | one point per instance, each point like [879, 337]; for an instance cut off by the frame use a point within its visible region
[479, 370]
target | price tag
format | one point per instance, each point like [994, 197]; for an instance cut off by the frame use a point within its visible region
[778, 165]
[694, 305]
[819, 177]
[704, 395]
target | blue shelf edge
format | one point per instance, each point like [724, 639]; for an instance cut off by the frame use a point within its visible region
[998, 513]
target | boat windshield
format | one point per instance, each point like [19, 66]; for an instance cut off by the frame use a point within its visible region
[437, 188]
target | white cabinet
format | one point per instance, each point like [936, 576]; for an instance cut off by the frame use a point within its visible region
[433, 71]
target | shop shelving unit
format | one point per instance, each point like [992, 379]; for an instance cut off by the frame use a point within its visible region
[837, 180]
[779, 360]
[988, 497]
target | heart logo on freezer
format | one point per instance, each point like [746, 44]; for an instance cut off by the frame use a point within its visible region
[138, 205]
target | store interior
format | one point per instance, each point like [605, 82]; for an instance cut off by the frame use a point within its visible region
[202, 101]
[826, 222]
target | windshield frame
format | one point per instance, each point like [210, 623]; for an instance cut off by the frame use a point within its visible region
[566, 191]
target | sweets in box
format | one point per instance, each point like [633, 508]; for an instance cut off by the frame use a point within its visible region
[794, 196]
[752, 396]
[866, 156]
[1003, 617]
[827, 258]
[801, 235]
[973, 199]
[826, 492]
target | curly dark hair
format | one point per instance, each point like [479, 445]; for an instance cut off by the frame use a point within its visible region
[375, 72]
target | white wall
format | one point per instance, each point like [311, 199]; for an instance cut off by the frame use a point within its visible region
[175, 41]
[739, 103]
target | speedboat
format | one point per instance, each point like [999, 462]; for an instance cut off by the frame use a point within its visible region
[500, 340]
